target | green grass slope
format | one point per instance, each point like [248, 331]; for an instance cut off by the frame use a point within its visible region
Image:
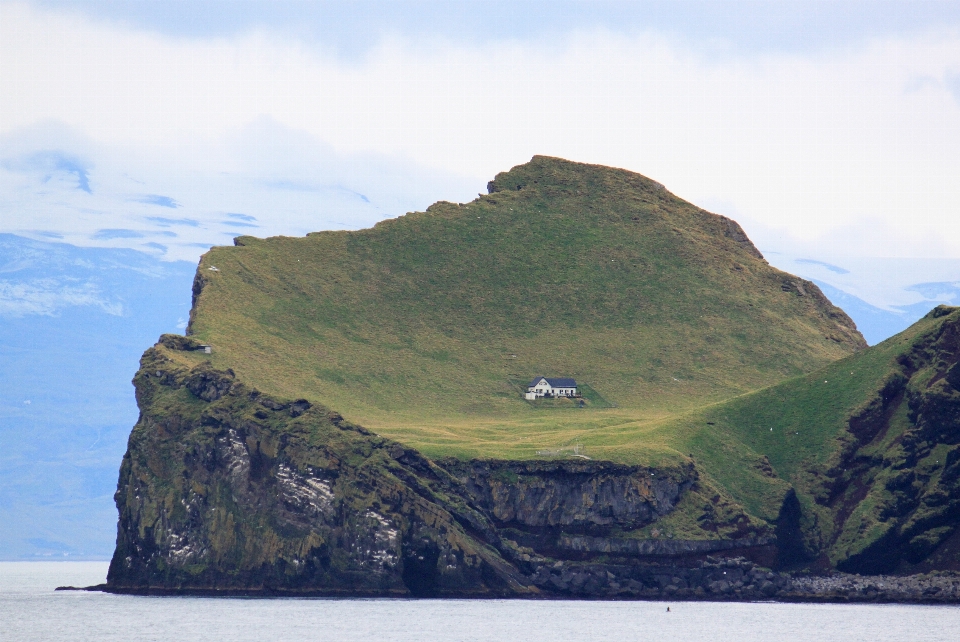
[869, 442]
[422, 327]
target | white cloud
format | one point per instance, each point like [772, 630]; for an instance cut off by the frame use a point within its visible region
[846, 149]
[48, 297]
[285, 182]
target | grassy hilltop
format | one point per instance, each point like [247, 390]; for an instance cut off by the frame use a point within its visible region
[425, 327]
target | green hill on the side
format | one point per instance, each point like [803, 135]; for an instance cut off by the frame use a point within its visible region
[425, 327]
[870, 443]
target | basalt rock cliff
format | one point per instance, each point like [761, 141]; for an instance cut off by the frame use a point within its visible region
[227, 490]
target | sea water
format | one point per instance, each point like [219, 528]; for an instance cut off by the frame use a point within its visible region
[31, 610]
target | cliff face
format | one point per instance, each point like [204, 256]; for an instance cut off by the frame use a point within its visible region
[237, 478]
[224, 488]
[227, 489]
[573, 494]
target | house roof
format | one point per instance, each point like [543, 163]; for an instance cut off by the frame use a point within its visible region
[555, 383]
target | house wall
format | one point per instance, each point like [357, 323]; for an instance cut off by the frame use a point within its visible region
[540, 391]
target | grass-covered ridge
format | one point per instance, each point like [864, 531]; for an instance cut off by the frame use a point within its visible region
[870, 443]
[419, 327]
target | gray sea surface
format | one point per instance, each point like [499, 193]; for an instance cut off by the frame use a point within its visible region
[31, 610]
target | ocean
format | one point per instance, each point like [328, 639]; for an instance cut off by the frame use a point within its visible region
[30, 610]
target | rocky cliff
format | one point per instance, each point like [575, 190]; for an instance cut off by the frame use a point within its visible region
[228, 490]
[223, 488]
[870, 446]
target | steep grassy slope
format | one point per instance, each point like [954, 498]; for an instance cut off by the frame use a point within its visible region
[425, 328]
[871, 443]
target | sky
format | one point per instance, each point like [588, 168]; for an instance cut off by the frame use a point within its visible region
[829, 129]
[73, 324]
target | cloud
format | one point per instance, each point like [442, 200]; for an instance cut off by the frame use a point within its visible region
[157, 199]
[48, 296]
[222, 193]
[110, 234]
[839, 147]
[352, 28]
[833, 268]
[951, 81]
[948, 292]
[166, 222]
[830, 136]
[48, 163]
[888, 283]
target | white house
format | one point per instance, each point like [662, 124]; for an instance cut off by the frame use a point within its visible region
[544, 387]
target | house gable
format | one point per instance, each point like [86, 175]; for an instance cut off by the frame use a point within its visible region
[539, 381]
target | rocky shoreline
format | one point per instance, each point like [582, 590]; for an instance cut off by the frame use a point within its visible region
[940, 587]
[739, 580]
[713, 579]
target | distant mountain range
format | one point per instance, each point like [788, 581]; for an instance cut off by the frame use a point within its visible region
[73, 322]
[877, 324]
